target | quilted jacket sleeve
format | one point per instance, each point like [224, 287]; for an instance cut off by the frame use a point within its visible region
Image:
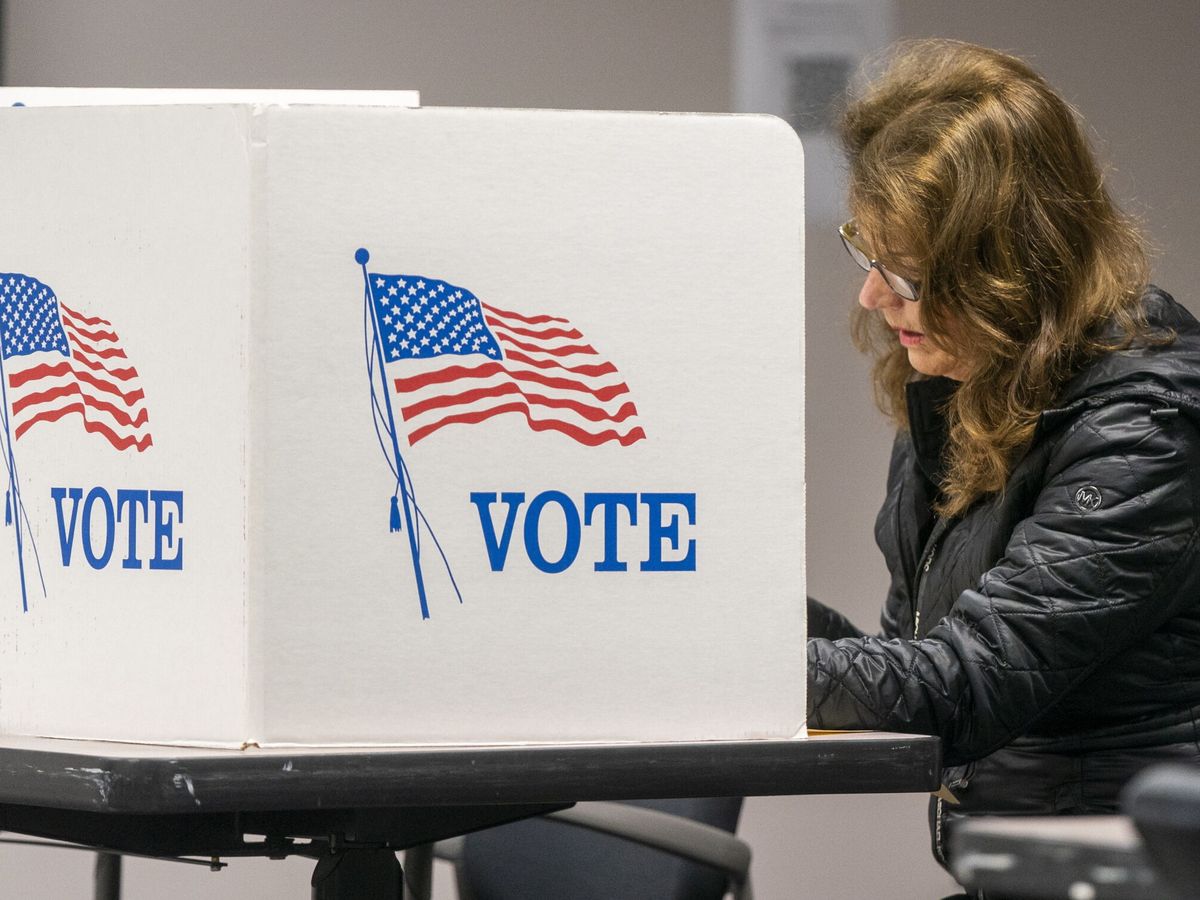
[1074, 588]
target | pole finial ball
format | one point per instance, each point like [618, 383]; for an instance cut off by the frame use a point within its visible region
[361, 256]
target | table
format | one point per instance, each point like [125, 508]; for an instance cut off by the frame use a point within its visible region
[1076, 857]
[352, 809]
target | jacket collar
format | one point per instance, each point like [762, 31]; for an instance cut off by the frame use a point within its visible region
[927, 399]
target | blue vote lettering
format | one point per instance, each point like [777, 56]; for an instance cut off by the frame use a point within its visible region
[497, 549]
[97, 525]
[533, 519]
[664, 519]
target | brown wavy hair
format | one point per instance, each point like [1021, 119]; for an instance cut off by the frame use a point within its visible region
[969, 174]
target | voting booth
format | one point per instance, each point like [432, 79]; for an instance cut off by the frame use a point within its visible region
[334, 420]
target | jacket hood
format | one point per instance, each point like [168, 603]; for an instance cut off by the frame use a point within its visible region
[1168, 375]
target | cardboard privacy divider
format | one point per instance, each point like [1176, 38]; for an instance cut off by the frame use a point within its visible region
[338, 424]
[60, 96]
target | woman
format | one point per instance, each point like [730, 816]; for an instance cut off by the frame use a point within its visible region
[1043, 500]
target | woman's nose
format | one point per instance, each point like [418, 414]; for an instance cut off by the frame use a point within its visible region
[876, 294]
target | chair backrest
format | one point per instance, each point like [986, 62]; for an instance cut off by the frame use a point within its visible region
[1164, 803]
[539, 858]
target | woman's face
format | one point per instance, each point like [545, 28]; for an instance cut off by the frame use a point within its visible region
[904, 317]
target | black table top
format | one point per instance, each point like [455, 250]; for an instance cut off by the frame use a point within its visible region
[147, 779]
[171, 801]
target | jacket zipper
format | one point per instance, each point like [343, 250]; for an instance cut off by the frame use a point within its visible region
[929, 554]
[939, 849]
[939, 846]
[939, 531]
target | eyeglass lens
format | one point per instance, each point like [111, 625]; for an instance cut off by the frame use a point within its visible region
[900, 285]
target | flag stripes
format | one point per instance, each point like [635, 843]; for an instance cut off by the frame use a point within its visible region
[60, 362]
[454, 360]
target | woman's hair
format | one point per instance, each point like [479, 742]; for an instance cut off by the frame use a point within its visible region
[971, 176]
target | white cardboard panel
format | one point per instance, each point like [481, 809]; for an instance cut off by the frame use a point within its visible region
[673, 244]
[137, 217]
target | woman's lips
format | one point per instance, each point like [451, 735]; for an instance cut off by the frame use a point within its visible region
[910, 338]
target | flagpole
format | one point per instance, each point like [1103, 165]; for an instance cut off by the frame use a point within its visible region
[361, 257]
[12, 482]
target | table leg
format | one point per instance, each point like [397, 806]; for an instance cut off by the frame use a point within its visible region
[108, 876]
[418, 872]
[358, 874]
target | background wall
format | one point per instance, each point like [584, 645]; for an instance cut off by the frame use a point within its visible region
[1131, 69]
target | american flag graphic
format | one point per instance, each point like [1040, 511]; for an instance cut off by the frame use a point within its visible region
[454, 359]
[59, 362]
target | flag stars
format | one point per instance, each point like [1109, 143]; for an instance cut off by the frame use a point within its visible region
[412, 291]
[393, 290]
[379, 282]
[387, 320]
[395, 353]
[420, 285]
[425, 342]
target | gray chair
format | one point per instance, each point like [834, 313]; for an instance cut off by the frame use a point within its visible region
[635, 850]
[1164, 803]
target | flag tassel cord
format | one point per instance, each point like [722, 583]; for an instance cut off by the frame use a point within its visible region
[13, 484]
[362, 257]
[24, 514]
[421, 520]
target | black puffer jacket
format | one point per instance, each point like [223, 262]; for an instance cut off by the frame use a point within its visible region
[1051, 635]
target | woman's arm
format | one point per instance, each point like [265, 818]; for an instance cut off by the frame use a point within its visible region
[828, 623]
[1073, 589]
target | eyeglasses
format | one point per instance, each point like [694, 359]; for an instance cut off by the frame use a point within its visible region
[848, 232]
